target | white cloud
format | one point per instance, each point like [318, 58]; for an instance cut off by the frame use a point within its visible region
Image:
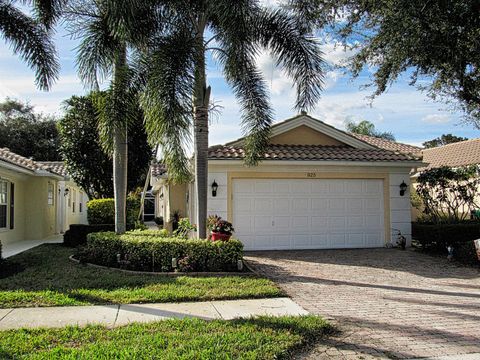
[436, 118]
[336, 54]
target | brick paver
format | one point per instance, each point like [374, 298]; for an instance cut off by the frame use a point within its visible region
[386, 303]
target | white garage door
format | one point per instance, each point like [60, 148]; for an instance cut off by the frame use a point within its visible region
[275, 214]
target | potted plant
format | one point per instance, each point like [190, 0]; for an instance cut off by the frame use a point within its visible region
[220, 229]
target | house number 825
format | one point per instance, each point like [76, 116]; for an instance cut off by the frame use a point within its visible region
[311, 175]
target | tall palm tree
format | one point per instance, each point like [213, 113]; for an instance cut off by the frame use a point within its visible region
[175, 64]
[30, 38]
[102, 54]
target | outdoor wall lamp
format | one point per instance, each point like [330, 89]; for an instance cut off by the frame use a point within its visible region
[67, 190]
[403, 188]
[214, 188]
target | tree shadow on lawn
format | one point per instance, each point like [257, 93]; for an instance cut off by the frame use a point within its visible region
[48, 269]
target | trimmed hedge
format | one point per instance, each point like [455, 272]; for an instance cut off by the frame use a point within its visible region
[163, 233]
[437, 237]
[1, 257]
[77, 233]
[153, 253]
[102, 211]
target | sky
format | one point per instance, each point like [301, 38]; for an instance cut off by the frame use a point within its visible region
[403, 110]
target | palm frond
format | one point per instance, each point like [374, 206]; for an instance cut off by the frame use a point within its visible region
[241, 73]
[32, 42]
[166, 100]
[48, 11]
[297, 52]
[97, 49]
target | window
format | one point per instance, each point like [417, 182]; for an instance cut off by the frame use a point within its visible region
[50, 193]
[3, 203]
[74, 198]
[80, 202]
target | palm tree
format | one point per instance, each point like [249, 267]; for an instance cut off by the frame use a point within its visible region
[175, 67]
[102, 54]
[30, 38]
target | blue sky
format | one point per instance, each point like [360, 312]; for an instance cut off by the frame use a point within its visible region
[403, 110]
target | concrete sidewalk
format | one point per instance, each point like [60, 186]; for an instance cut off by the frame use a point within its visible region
[117, 315]
[17, 247]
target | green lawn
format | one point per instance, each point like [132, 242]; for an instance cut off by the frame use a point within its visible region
[50, 279]
[260, 338]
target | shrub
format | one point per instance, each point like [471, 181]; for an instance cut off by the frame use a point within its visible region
[159, 220]
[1, 257]
[185, 227]
[77, 233]
[158, 233]
[154, 253]
[102, 211]
[437, 237]
[448, 194]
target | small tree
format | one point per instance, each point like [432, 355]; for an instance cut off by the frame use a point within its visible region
[365, 127]
[19, 124]
[87, 163]
[448, 194]
[445, 139]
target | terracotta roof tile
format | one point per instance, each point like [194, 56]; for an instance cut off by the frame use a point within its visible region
[388, 144]
[312, 152]
[25, 163]
[158, 169]
[58, 167]
[457, 154]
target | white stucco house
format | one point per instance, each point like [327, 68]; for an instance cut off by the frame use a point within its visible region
[317, 187]
[37, 199]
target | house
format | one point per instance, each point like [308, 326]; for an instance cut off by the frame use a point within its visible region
[37, 199]
[462, 153]
[317, 187]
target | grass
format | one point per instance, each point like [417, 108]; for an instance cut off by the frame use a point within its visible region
[259, 338]
[50, 279]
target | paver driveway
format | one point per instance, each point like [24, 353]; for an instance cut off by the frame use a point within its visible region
[385, 302]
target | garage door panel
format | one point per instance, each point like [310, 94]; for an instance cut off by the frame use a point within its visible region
[282, 206]
[300, 222]
[245, 186]
[354, 186]
[263, 187]
[355, 222]
[262, 205]
[302, 240]
[356, 240]
[319, 223]
[282, 223]
[301, 204]
[308, 214]
[320, 240]
[320, 206]
[336, 205]
[336, 240]
[244, 205]
[262, 224]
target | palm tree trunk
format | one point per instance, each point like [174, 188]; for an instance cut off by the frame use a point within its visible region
[120, 151]
[201, 99]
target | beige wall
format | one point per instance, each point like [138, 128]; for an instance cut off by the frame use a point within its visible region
[40, 216]
[77, 195]
[18, 233]
[304, 135]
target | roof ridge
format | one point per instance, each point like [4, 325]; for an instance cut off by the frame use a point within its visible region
[455, 143]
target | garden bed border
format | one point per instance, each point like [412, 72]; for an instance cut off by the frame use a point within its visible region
[169, 273]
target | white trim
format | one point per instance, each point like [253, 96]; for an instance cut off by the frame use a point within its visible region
[13, 167]
[317, 125]
[408, 164]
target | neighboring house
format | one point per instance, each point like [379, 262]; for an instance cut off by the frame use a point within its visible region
[37, 199]
[462, 153]
[317, 187]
